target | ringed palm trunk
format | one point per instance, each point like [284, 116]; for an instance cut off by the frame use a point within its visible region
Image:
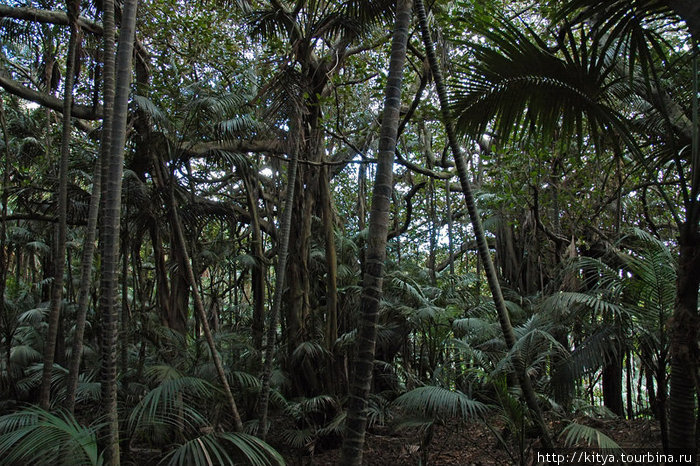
[361, 378]
[492, 278]
[109, 231]
[85, 281]
[62, 227]
[94, 208]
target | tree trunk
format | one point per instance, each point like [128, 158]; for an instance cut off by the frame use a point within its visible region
[73, 8]
[280, 273]
[85, 277]
[499, 302]
[612, 385]
[111, 210]
[257, 274]
[684, 331]
[450, 246]
[331, 259]
[361, 378]
[7, 322]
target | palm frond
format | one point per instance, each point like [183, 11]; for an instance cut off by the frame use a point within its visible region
[378, 410]
[472, 326]
[18, 32]
[595, 351]
[217, 107]
[166, 400]
[36, 436]
[236, 127]
[536, 346]
[436, 401]
[39, 247]
[311, 350]
[155, 113]
[627, 28]
[315, 404]
[363, 14]
[213, 448]
[299, 438]
[517, 84]
[33, 316]
[272, 22]
[576, 434]
[24, 355]
[568, 300]
[243, 380]
[335, 426]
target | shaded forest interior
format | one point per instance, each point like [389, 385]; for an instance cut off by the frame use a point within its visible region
[273, 231]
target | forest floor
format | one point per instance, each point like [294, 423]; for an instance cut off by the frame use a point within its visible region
[470, 444]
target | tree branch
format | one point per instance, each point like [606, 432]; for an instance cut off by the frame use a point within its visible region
[60, 18]
[47, 17]
[79, 111]
[470, 246]
[409, 211]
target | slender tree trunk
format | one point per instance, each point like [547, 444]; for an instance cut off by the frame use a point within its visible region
[199, 307]
[628, 384]
[450, 246]
[280, 273]
[257, 274]
[124, 309]
[432, 208]
[503, 317]
[361, 377]
[331, 259]
[85, 281]
[73, 7]
[6, 321]
[111, 210]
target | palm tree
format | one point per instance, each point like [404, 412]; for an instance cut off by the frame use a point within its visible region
[109, 231]
[93, 212]
[355, 425]
[73, 8]
[85, 282]
[482, 245]
[524, 82]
